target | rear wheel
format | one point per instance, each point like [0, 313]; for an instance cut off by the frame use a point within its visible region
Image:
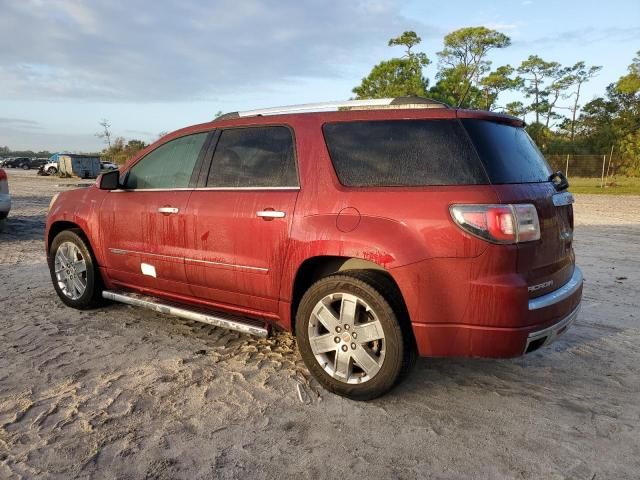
[52, 170]
[350, 337]
[74, 271]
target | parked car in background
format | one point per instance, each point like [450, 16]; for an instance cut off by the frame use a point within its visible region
[51, 167]
[383, 230]
[108, 165]
[37, 162]
[18, 162]
[5, 198]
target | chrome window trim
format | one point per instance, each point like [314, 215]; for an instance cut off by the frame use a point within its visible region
[564, 198]
[119, 251]
[201, 189]
[560, 294]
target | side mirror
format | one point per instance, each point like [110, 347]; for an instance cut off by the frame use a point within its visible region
[109, 180]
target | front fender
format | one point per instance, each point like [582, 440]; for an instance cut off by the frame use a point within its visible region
[79, 207]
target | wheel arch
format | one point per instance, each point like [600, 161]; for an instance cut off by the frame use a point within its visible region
[61, 226]
[315, 268]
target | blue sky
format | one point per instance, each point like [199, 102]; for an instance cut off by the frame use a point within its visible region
[151, 67]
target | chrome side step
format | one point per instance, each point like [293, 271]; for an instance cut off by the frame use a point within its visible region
[217, 319]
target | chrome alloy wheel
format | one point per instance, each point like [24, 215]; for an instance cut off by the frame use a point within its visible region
[70, 270]
[346, 338]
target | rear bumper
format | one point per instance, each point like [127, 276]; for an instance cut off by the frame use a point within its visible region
[534, 324]
[564, 292]
[540, 338]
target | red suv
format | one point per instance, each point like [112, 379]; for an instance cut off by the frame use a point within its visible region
[376, 232]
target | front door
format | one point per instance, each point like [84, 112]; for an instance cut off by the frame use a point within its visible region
[238, 225]
[143, 224]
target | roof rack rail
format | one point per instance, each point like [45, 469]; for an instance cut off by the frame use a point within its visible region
[369, 104]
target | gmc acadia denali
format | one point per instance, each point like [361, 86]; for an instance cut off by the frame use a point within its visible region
[375, 230]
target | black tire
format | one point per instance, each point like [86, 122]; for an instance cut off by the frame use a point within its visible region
[388, 289]
[52, 171]
[25, 167]
[92, 296]
[399, 350]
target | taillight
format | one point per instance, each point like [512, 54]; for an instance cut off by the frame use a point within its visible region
[4, 184]
[499, 223]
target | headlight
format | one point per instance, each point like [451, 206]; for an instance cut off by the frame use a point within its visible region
[53, 199]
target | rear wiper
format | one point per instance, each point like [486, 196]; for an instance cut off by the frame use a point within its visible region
[559, 181]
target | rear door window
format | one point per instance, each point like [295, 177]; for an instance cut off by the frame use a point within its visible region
[402, 153]
[507, 152]
[168, 166]
[254, 157]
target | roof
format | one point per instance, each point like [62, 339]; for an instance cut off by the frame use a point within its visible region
[367, 104]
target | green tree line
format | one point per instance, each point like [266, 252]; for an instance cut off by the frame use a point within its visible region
[550, 94]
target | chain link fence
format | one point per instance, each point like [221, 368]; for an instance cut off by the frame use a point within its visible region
[587, 166]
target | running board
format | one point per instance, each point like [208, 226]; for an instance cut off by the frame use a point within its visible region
[217, 319]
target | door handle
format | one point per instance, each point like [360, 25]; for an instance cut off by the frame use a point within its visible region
[168, 210]
[270, 214]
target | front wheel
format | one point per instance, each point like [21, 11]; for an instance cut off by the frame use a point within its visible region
[350, 337]
[74, 271]
[52, 171]
[25, 167]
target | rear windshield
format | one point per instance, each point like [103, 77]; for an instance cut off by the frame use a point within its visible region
[432, 152]
[402, 153]
[507, 153]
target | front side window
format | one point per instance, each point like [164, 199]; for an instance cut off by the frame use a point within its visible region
[254, 157]
[168, 166]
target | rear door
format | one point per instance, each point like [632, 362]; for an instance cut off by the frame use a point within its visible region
[520, 174]
[143, 224]
[238, 223]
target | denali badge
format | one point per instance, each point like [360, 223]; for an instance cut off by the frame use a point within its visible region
[533, 288]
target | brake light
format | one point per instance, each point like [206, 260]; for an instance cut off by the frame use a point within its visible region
[498, 223]
[4, 183]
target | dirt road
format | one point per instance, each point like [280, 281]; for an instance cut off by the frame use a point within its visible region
[125, 393]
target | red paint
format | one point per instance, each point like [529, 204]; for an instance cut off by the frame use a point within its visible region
[465, 297]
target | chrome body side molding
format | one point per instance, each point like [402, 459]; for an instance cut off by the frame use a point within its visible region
[119, 251]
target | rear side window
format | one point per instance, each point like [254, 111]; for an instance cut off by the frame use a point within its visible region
[508, 153]
[168, 166]
[254, 157]
[402, 153]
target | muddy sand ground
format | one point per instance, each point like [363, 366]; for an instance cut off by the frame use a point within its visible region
[125, 393]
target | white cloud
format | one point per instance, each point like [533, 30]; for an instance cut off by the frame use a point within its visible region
[502, 27]
[182, 49]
